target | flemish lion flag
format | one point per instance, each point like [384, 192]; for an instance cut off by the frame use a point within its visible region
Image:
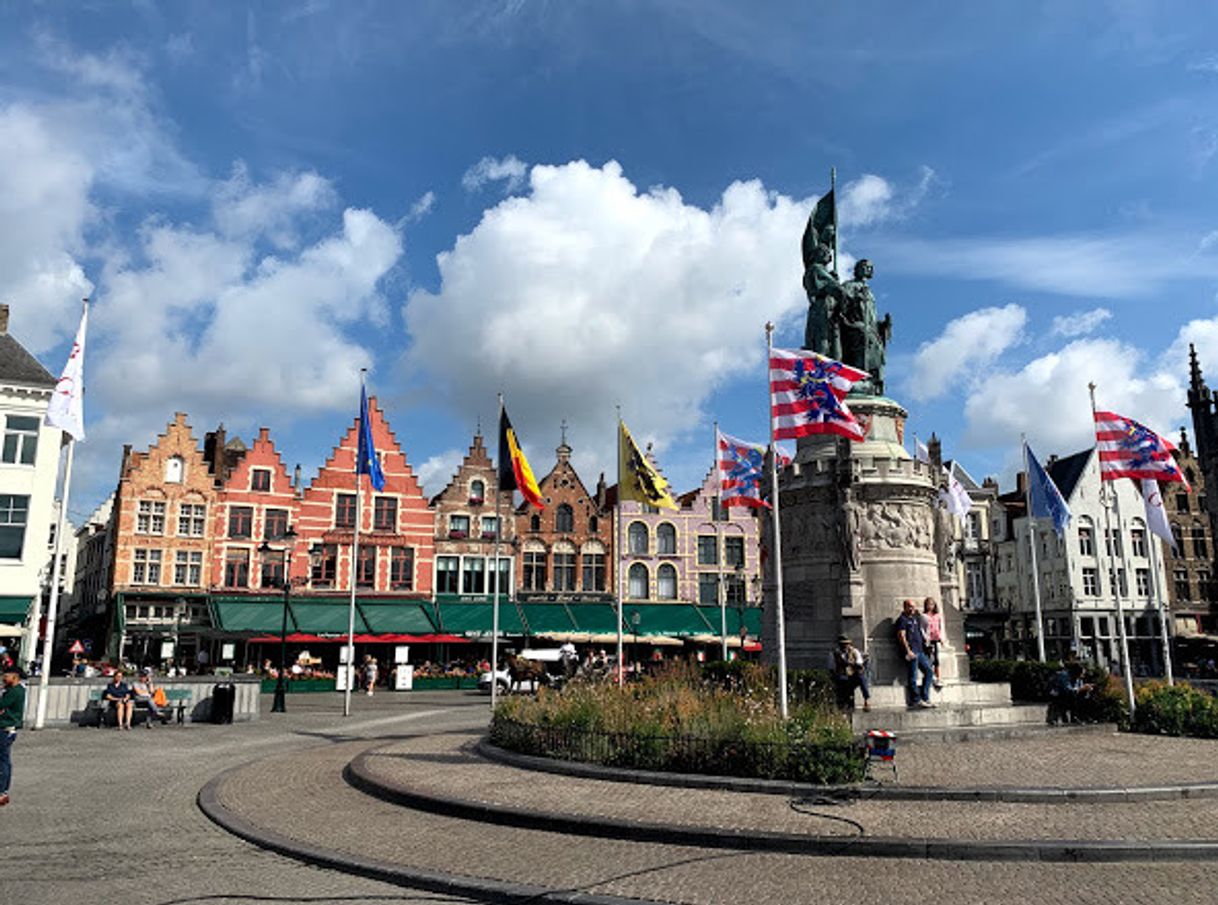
[514, 471]
[639, 479]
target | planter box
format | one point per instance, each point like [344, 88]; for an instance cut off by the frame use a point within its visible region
[299, 685]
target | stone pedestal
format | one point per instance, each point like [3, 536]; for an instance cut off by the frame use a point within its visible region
[861, 533]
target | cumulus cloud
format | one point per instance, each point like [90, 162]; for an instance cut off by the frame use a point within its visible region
[966, 347]
[275, 210]
[1079, 323]
[435, 472]
[871, 200]
[586, 292]
[509, 170]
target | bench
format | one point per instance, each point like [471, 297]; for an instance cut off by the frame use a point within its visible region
[99, 709]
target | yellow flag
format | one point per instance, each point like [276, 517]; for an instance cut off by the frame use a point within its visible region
[639, 479]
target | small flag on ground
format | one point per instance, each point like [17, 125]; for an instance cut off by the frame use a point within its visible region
[808, 393]
[514, 470]
[1132, 450]
[639, 479]
[1044, 499]
[1156, 516]
[66, 410]
[366, 461]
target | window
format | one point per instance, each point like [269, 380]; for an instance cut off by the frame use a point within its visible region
[192, 520]
[401, 568]
[733, 552]
[975, 583]
[241, 521]
[477, 491]
[458, 526]
[385, 514]
[1091, 581]
[150, 518]
[708, 589]
[146, 567]
[1112, 542]
[260, 479]
[638, 580]
[1117, 581]
[1182, 502]
[1201, 547]
[1177, 537]
[637, 538]
[564, 519]
[237, 569]
[447, 577]
[175, 470]
[564, 571]
[1086, 537]
[489, 526]
[594, 571]
[275, 524]
[1137, 540]
[505, 577]
[1141, 582]
[344, 510]
[534, 571]
[666, 582]
[534, 522]
[188, 568]
[1205, 589]
[365, 575]
[272, 569]
[325, 566]
[972, 526]
[20, 440]
[1180, 579]
[719, 512]
[473, 575]
[14, 514]
[708, 550]
[666, 539]
[734, 590]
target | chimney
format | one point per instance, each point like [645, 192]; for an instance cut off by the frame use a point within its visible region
[3, 319]
[296, 479]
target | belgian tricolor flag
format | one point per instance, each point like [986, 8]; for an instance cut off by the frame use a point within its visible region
[514, 471]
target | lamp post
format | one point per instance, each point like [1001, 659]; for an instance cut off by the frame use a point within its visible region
[179, 607]
[279, 704]
[635, 618]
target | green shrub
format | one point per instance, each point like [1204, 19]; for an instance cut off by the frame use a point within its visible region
[991, 670]
[1178, 709]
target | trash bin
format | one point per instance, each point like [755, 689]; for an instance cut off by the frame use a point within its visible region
[223, 701]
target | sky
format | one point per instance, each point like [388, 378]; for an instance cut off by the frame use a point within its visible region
[591, 205]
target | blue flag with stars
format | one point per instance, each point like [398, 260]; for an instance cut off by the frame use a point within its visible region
[1044, 499]
[366, 461]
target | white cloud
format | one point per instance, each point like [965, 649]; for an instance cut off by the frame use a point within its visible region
[509, 170]
[242, 209]
[1079, 323]
[585, 293]
[871, 200]
[967, 346]
[435, 473]
[422, 207]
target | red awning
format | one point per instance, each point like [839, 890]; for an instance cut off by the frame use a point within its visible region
[752, 645]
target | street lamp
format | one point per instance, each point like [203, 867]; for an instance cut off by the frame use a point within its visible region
[279, 704]
[179, 608]
[635, 618]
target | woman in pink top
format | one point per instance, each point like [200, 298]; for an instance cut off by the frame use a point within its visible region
[932, 627]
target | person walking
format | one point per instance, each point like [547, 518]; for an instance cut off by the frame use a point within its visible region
[12, 713]
[370, 671]
[912, 644]
[932, 624]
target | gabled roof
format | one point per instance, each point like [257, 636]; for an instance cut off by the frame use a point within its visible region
[19, 366]
[1067, 471]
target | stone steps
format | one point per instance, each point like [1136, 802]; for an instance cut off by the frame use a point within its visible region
[972, 720]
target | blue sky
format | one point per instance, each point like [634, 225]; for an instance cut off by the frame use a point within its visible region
[586, 205]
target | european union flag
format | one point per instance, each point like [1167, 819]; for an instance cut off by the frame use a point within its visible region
[1044, 499]
[366, 461]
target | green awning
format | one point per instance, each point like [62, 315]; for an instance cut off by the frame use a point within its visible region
[261, 616]
[15, 610]
[405, 618]
[546, 618]
[325, 618]
[475, 619]
[752, 620]
[672, 620]
[595, 618]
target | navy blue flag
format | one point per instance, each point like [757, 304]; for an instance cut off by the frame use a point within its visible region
[366, 461]
[1044, 499]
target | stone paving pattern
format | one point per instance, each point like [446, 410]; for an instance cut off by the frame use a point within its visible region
[445, 766]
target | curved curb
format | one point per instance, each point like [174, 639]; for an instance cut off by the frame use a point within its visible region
[429, 881]
[1010, 794]
[356, 774]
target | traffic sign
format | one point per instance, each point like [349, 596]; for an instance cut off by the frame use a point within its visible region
[76, 648]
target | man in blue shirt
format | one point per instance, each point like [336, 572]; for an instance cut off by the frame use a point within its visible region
[912, 643]
[120, 695]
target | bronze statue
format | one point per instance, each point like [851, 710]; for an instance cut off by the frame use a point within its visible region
[822, 333]
[863, 338]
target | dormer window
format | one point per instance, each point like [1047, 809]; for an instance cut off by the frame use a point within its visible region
[175, 470]
[260, 479]
[477, 492]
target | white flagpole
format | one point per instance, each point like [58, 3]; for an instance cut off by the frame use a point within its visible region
[1113, 576]
[617, 528]
[53, 607]
[719, 545]
[495, 603]
[778, 613]
[1152, 540]
[359, 516]
[1027, 497]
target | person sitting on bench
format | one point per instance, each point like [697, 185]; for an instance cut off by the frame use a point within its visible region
[1067, 692]
[118, 693]
[144, 693]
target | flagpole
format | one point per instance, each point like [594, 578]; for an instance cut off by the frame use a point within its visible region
[495, 604]
[833, 190]
[1027, 498]
[359, 516]
[1114, 578]
[617, 530]
[780, 619]
[53, 606]
[1152, 541]
[719, 545]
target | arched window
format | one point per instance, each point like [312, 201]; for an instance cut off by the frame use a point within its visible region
[1086, 536]
[1178, 537]
[666, 539]
[666, 582]
[477, 491]
[638, 582]
[175, 470]
[564, 519]
[534, 522]
[636, 537]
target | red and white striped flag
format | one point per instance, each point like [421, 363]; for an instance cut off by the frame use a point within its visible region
[808, 395]
[1131, 450]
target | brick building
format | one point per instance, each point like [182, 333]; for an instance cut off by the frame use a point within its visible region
[1190, 568]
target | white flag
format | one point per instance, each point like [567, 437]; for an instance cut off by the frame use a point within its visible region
[952, 495]
[1156, 516]
[67, 408]
[921, 453]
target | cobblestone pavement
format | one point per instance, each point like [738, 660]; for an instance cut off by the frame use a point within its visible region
[110, 817]
[383, 831]
[443, 766]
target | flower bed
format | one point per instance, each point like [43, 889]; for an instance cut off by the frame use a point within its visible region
[680, 722]
[1178, 709]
